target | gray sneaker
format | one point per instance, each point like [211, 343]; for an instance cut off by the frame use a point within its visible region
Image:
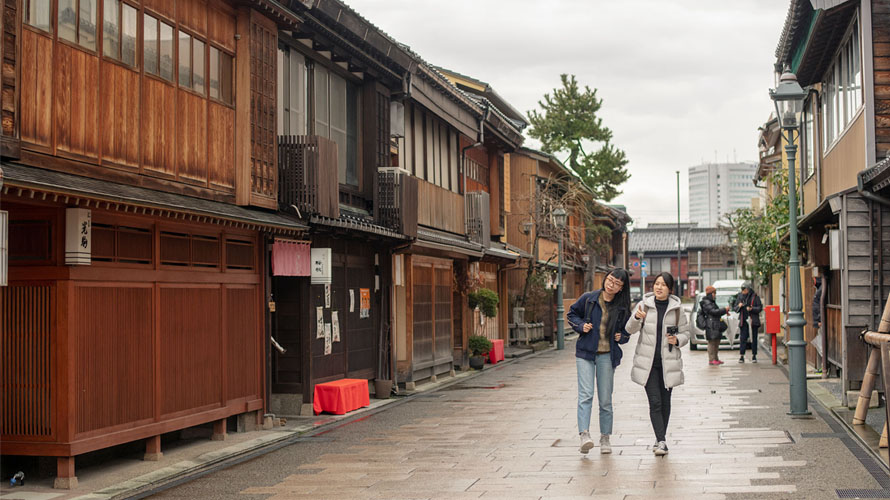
[661, 449]
[586, 442]
[655, 446]
[605, 445]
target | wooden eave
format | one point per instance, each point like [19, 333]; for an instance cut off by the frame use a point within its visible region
[431, 96]
[820, 46]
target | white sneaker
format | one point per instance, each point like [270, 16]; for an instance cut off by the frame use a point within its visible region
[661, 449]
[605, 445]
[586, 442]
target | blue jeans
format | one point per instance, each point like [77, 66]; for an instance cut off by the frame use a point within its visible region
[601, 372]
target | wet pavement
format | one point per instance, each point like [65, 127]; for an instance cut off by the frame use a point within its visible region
[511, 433]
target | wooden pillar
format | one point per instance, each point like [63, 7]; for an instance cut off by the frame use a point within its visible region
[219, 430]
[65, 478]
[153, 449]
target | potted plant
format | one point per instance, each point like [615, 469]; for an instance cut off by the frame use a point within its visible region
[479, 348]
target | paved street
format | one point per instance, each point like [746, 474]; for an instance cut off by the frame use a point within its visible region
[510, 433]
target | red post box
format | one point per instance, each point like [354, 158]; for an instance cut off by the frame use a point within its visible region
[773, 326]
[773, 320]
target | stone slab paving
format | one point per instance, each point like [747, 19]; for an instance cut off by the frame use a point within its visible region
[511, 433]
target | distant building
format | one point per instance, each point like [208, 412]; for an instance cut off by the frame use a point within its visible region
[716, 189]
[706, 255]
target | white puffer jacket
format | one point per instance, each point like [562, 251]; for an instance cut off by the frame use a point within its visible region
[671, 361]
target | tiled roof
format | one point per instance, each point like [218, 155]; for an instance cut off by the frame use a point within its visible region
[664, 239]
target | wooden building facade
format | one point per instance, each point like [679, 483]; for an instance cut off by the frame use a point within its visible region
[138, 156]
[838, 50]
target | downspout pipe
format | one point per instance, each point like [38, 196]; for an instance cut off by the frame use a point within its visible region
[860, 186]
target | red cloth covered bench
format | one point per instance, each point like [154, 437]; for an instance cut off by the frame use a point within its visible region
[497, 351]
[340, 396]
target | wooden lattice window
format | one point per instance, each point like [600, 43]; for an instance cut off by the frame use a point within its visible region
[190, 250]
[30, 242]
[121, 244]
[239, 253]
[263, 52]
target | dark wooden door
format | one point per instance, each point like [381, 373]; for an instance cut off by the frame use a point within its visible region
[287, 367]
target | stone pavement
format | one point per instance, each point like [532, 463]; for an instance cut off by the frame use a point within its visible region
[510, 433]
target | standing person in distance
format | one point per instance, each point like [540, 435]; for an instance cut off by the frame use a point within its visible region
[657, 365]
[748, 306]
[599, 317]
[713, 333]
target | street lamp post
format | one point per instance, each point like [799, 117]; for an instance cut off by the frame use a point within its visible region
[788, 98]
[559, 218]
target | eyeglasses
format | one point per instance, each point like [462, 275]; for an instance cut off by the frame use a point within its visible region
[610, 281]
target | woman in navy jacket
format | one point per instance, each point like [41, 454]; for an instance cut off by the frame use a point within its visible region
[599, 317]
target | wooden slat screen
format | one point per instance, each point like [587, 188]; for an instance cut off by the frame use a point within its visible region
[114, 371]
[241, 343]
[440, 208]
[308, 175]
[190, 336]
[263, 53]
[835, 331]
[443, 281]
[8, 89]
[26, 338]
[423, 313]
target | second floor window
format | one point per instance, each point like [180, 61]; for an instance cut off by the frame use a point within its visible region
[222, 72]
[292, 92]
[119, 32]
[77, 22]
[336, 107]
[842, 88]
[37, 14]
[191, 63]
[158, 48]
[809, 157]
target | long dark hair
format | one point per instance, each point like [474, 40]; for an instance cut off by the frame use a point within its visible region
[622, 298]
[668, 280]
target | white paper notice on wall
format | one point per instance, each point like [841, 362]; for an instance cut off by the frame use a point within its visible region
[351, 300]
[327, 338]
[319, 322]
[335, 326]
[327, 295]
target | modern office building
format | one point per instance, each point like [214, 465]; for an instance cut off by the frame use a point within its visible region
[716, 189]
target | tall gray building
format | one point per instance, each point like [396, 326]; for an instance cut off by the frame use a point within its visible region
[719, 188]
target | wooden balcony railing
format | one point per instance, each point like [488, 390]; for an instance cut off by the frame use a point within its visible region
[397, 201]
[308, 176]
[440, 208]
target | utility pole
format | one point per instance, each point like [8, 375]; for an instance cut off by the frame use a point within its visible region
[679, 262]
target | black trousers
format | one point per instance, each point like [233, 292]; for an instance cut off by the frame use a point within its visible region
[659, 402]
[743, 339]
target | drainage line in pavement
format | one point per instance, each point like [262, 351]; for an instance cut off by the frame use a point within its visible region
[304, 437]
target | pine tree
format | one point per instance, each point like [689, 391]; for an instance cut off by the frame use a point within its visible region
[567, 121]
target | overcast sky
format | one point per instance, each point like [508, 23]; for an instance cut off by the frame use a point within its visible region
[682, 81]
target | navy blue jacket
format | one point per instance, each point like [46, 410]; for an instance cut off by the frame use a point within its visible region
[587, 310]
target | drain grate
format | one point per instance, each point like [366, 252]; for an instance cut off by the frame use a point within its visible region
[839, 435]
[468, 387]
[853, 493]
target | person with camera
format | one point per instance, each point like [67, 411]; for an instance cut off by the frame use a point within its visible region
[714, 326]
[657, 364]
[599, 318]
[748, 305]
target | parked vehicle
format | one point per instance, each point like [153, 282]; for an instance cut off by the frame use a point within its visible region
[727, 290]
[635, 294]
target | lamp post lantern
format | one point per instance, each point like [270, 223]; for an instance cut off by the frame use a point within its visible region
[788, 97]
[559, 218]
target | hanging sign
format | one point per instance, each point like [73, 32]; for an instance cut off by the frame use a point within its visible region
[78, 234]
[335, 326]
[319, 322]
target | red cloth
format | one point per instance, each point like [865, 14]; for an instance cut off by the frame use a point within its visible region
[291, 258]
[497, 351]
[341, 396]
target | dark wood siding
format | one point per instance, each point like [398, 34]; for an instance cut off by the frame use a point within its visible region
[880, 19]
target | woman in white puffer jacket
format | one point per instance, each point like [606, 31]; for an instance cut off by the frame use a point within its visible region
[658, 365]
